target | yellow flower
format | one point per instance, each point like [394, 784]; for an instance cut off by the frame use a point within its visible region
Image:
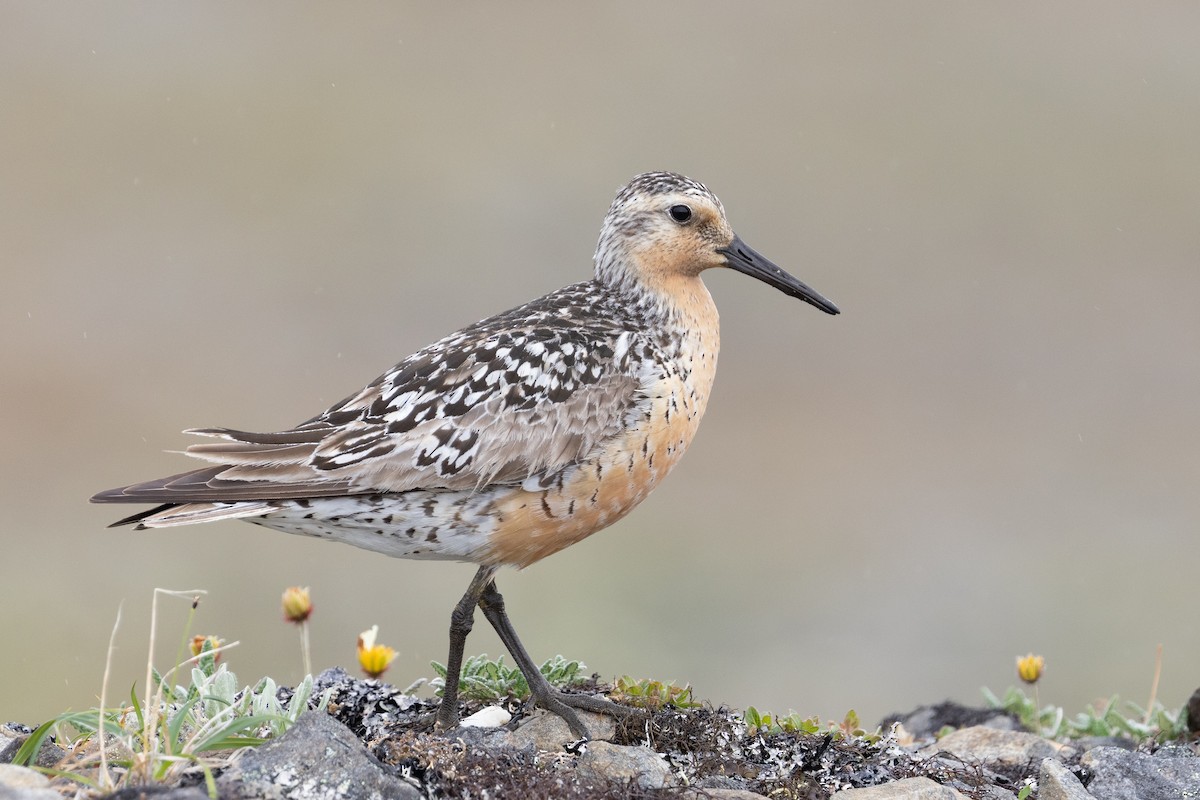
[1029, 668]
[373, 658]
[198, 642]
[297, 604]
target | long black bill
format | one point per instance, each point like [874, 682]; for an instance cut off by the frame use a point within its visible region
[744, 258]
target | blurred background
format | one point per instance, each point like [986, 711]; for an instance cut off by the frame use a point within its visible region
[231, 214]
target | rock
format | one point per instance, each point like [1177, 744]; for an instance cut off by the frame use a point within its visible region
[1010, 748]
[623, 764]
[1056, 782]
[489, 717]
[907, 789]
[318, 758]
[724, 794]
[23, 783]
[159, 793]
[992, 792]
[547, 732]
[490, 739]
[13, 735]
[924, 722]
[1173, 750]
[724, 783]
[1085, 743]
[1193, 712]
[1121, 775]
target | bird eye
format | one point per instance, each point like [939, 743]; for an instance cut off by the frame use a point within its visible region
[680, 213]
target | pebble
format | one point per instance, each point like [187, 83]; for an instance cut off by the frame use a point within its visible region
[489, 717]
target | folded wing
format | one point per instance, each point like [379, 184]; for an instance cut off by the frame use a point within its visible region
[494, 403]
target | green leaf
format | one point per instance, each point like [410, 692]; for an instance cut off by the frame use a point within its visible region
[137, 706]
[230, 734]
[177, 721]
[28, 751]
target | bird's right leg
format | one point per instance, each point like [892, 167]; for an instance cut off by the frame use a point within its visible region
[462, 619]
[543, 694]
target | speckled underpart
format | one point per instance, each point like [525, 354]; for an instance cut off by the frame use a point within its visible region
[418, 524]
[514, 437]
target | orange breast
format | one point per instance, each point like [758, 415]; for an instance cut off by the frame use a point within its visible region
[596, 493]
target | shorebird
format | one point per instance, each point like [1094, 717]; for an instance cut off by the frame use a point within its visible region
[510, 439]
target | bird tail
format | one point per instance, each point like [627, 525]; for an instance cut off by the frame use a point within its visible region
[173, 515]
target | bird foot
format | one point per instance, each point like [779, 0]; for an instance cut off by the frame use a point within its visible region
[563, 705]
[446, 718]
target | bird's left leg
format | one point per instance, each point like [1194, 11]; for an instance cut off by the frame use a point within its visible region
[544, 695]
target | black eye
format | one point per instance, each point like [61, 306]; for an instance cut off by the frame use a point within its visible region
[680, 213]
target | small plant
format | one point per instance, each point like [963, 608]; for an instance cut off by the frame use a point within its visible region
[487, 680]
[297, 608]
[1045, 721]
[1105, 718]
[653, 695]
[374, 658]
[175, 726]
[766, 724]
[1029, 669]
[851, 728]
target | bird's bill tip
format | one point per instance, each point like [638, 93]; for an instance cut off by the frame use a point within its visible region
[745, 259]
[107, 496]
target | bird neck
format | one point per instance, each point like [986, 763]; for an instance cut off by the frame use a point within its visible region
[686, 327]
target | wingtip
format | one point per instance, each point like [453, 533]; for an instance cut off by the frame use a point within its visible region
[136, 519]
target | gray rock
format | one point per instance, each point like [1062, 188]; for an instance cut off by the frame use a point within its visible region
[907, 789]
[547, 732]
[12, 736]
[724, 783]
[159, 793]
[1056, 782]
[22, 783]
[318, 758]
[1174, 750]
[624, 764]
[989, 792]
[1085, 743]
[490, 739]
[1010, 748]
[724, 794]
[10, 742]
[924, 722]
[1121, 775]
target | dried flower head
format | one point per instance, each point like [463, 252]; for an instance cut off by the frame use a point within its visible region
[297, 604]
[1030, 667]
[373, 658]
[200, 640]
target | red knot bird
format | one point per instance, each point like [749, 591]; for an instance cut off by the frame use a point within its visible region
[514, 437]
